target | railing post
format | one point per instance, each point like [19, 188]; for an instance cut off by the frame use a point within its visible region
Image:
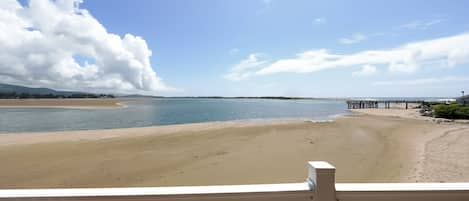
[321, 178]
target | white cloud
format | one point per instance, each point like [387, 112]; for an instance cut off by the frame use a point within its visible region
[421, 24]
[366, 70]
[319, 21]
[39, 44]
[306, 62]
[243, 68]
[408, 58]
[355, 38]
[422, 81]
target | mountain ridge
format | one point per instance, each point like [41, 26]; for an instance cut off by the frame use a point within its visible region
[18, 91]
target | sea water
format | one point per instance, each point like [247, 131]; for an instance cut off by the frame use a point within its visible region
[167, 111]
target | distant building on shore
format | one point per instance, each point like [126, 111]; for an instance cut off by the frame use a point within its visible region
[463, 99]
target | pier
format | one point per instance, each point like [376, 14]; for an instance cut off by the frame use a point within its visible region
[366, 104]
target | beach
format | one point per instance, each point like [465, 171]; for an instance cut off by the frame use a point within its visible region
[363, 148]
[70, 103]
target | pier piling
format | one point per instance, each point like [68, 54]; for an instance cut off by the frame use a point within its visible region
[366, 104]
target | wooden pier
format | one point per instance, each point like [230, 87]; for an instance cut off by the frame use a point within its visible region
[366, 104]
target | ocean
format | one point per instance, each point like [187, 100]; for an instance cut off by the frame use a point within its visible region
[167, 111]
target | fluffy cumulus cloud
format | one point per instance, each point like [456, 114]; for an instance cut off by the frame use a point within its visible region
[57, 44]
[444, 52]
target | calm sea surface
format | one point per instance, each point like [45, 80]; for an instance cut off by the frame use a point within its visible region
[167, 111]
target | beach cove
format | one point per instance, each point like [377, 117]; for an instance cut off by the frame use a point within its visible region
[364, 147]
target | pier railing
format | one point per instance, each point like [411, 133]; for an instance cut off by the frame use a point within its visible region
[319, 186]
[365, 104]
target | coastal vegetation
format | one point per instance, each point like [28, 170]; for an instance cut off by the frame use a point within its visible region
[451, 111]
[256, 97]
[14, 95]
[8, 91]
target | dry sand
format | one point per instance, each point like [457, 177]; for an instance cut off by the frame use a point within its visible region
[79, 103]
[364, 148]
[393, 112]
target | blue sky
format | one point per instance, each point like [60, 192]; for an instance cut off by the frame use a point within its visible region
[291, 48]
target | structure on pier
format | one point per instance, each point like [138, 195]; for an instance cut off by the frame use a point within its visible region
[364, 104]
[463, 100]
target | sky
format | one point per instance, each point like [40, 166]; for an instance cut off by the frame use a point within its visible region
[238, 47]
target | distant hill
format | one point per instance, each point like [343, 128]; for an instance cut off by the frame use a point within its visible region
[8, 88]
[16, 91]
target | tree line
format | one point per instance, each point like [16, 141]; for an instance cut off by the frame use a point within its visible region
[14, 95]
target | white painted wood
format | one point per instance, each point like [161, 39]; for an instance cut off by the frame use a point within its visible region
[321, 177]
[369, 187]
[320, 186]
[182, 190]
[402, 191]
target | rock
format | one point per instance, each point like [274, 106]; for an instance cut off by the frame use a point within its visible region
[442, 120]
[460, 121]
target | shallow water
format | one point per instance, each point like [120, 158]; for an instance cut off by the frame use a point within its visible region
[167, 111]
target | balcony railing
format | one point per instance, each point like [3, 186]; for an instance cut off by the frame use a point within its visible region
[319, 186]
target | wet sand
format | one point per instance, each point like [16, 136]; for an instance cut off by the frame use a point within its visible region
[364, 148]
[79, 103]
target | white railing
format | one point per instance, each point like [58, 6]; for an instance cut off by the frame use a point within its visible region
[319, 186]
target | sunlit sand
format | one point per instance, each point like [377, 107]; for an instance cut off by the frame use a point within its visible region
[364, 147]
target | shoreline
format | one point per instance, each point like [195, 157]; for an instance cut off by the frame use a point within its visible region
[408, 114]
[381, 148]
[223, 124]
[22, 138]
[62, 107]
[257, 121]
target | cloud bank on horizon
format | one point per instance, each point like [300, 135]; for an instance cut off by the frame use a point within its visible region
[446, 52]
[56, 44]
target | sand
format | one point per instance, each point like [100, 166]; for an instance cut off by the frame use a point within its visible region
[410, 113]
[79, 103]
[364, 148]
[394, 112]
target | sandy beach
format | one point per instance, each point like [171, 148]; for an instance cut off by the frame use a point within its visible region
[79, 103]
[384, 147]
